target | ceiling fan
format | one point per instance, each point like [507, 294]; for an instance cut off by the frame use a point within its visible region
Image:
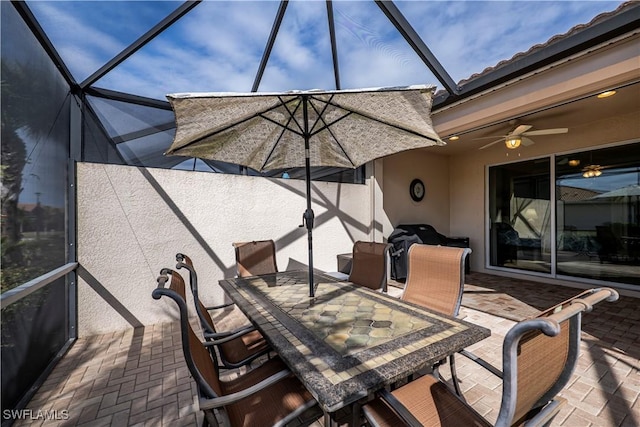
[519, 136]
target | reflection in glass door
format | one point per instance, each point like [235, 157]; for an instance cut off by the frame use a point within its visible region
[520, 213]
[597, 218]
[597, 215]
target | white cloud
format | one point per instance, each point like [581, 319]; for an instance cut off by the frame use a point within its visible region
[218, 45]
[468, 36]
[80, 44]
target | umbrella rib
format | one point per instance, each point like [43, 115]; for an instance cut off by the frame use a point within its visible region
[284, 127]
[367, 116]
[292, 115]
[257, 114]
[326, 126]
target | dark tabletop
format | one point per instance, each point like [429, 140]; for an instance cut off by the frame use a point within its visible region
[347, 341]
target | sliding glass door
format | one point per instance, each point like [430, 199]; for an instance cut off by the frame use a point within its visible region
[520, 212]
[595, 218]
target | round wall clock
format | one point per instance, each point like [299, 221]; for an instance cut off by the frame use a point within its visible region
[417, 190]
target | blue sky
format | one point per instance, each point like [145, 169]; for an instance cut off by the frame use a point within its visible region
[218, 45]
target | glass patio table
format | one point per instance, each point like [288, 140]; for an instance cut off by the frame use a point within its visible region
[347, 341]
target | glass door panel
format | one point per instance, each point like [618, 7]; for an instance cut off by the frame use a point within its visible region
[597, 215]
[520, 213]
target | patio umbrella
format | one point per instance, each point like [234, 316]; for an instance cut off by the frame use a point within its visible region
[341, 128]
[625, 195]
[632, 190]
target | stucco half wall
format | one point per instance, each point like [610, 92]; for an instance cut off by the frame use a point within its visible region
[132, 221]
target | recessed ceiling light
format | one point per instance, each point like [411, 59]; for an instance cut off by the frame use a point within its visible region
[454, 138]
[606, 94]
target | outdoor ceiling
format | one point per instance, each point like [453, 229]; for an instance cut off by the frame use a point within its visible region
[139, 48]
[570, 115]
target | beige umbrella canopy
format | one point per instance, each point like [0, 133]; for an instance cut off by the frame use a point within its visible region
[264, 131]
[632, 190]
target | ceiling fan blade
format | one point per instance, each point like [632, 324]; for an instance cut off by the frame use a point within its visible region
[490, 144]
[521, 129]
[547, 131]
[526, 141]
[490, 137]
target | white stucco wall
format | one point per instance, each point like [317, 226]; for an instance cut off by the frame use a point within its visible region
[132, 221]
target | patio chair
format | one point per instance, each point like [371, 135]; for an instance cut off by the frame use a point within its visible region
[235, 348]
[435, 280]
[435, 277]
[255, 258]
[369, 265]
[539, 356]
[610, 248]
[508, 242]
[264, 396]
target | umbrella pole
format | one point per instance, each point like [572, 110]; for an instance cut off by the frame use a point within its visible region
[308, 214]
[308, 219]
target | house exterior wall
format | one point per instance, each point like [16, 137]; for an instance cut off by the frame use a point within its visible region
[610, 65]
[468, 182]
[132, 221]
[586, 74]
[455, 203]
[461, 209]
[399, 170]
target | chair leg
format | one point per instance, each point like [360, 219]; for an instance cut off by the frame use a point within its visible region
[329, 420]
[209, 419]
[356, 420]
[454, 377]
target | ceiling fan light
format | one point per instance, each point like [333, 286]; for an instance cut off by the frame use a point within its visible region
[592, 171]
[513, 142]
[574, 162]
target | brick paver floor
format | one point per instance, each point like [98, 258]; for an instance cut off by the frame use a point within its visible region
[139, 378]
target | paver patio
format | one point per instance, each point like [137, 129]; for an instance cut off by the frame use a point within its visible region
[138, 377]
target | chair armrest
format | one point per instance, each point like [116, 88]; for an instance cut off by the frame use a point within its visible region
[223, 337]
[217, 402]
[396, 253]
[480, 361]
[583, 303]
[218, 307]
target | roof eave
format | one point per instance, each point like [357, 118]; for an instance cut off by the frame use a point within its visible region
[622, 22]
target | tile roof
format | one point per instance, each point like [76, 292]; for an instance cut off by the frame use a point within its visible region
[575, 194]
[558, 37]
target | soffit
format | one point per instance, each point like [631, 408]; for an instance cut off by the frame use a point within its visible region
[560, 96]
